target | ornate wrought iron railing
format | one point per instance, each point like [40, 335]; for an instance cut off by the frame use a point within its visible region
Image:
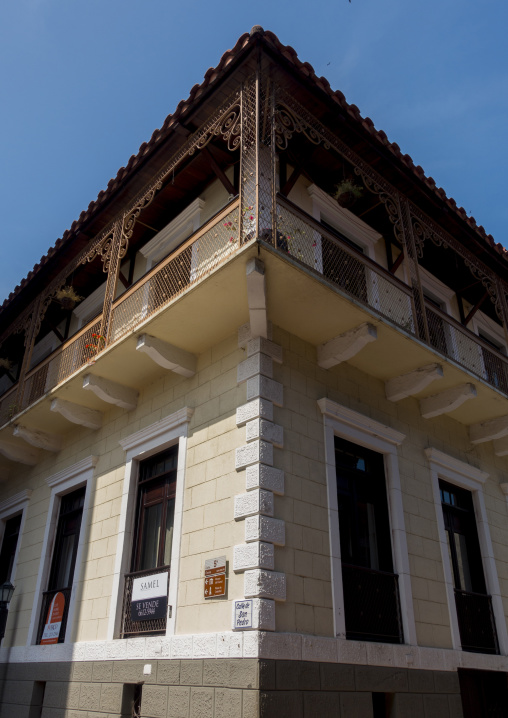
[371, 605]
[208, 248]
[453, 340]
[47, 597]
[477, 627]
[307, 241]
[136, 628]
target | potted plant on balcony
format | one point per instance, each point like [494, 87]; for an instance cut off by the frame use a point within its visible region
[347, 192]
[5, 364]
[68, 297]
[95, 348]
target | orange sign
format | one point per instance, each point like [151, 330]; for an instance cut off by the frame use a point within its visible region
[53, 620]
[215, 586]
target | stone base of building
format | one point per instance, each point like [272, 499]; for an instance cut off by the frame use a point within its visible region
[226, 688]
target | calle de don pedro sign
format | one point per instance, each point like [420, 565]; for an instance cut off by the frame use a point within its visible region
[149, 597]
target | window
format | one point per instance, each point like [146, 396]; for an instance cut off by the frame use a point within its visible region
[371, 597]
[62, 549]
[153, 533]
[474, 608]
[151, 517]
[156, 511]
[9, 546]
[371, 584]
[474, 597]
[12, 516]
[63, 562]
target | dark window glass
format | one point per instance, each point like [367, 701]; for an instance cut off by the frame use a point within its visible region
[66, 540]
[370, 588]
[462, 538]
[363, 508]
[155, 512]
[9, 545]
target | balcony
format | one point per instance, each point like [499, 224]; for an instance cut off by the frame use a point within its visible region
[140, 628]
[371, 605]
[476, 622]
[304, 255]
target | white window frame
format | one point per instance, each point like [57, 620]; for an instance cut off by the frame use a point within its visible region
[364, 431]
[9, 509]
[139, 446]
[465, 476]
[66, 481]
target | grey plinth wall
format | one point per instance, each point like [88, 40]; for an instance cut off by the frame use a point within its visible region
[224, 688]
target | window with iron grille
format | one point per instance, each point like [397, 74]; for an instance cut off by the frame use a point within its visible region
[474, 608]
[371, 596]
[64, 558]
[153, 533]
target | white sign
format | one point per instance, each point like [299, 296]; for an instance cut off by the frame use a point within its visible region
[242, 614]
[215, 566]
[153, 586]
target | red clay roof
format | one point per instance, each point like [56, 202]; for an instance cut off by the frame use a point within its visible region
[210, 77]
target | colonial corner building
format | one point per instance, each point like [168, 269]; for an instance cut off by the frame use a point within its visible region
[254, 428]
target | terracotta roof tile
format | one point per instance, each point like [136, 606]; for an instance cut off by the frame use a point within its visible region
[211, 75]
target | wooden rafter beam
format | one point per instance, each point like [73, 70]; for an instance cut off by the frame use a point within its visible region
[219, 171]
[475, 308]
[397, 263]
[295, 174]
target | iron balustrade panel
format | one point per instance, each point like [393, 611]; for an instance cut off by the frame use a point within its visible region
[136, 628]
[197, 258]
[47, 597]
[458, 343]
[371, 605]
[477, 627]
[311, 244]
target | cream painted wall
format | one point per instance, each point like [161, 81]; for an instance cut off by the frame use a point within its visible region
[211, 483]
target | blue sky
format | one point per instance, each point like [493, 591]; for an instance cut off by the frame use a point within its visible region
[83, 84]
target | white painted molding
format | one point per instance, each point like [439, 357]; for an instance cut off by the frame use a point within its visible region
[111, 392]
[258, 643]
[346, 345]
[451, 465]
[353, 426]
[245, 335]
[363, 423]
[413, 382]
[69, 479]
[159, 428]
[256, 297]
[468, 477]
[14, 504]
[264, 346]
[489, 430]
[181, 227]
[39, 439]
[77, 414]
[144, 443]
[72, 471]
[327, 208]
[259, 408]
[167, 356]
[447, 401]
[255, 364]
[19, 452]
